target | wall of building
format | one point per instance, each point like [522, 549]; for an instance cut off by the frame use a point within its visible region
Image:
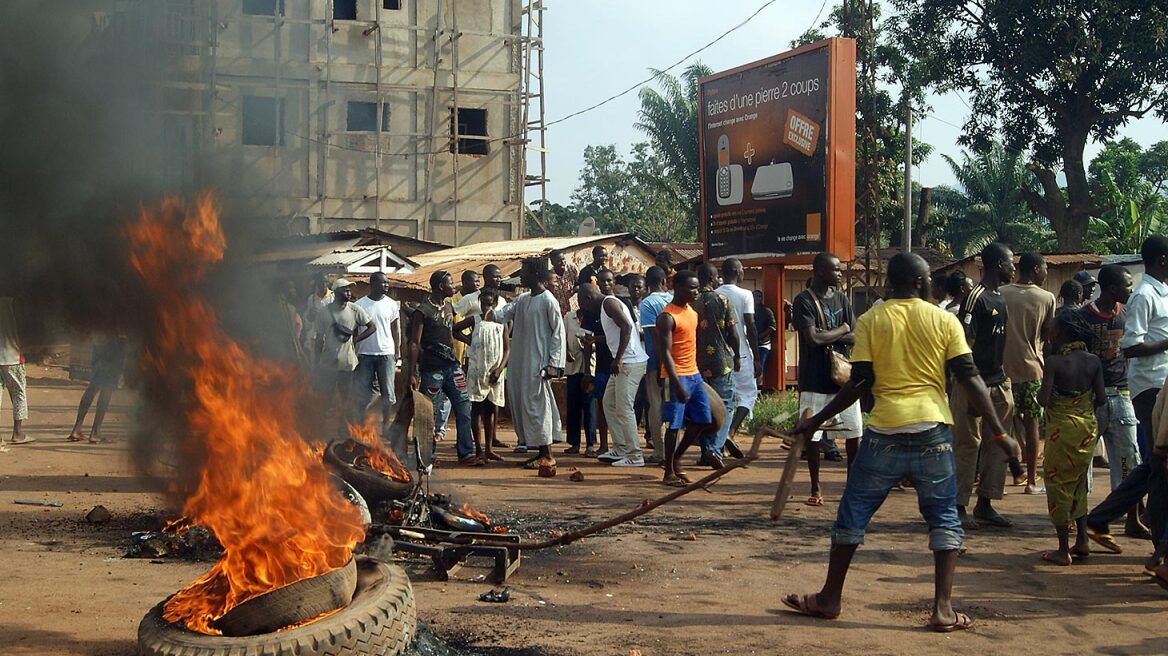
[319, 174]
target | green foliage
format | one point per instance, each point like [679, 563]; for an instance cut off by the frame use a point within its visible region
[561, 221]
[670, 119]
[783, 406]
[988, 206]
[1131, 184]
[631, 196]
[1046, 76]
[899, 77]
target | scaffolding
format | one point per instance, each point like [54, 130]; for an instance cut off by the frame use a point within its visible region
[313, 66]
[534, 138]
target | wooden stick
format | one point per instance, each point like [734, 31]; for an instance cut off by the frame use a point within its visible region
[572, 536]
[789, 468]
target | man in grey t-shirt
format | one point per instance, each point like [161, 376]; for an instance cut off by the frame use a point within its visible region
[339, 326]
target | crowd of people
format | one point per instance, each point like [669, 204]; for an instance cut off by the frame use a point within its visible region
[968, 387]
[950, 371]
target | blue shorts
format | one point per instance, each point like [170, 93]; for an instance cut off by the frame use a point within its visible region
[599, 384]
[694, 411]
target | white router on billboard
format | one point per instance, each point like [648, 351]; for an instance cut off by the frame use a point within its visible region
[773, 181]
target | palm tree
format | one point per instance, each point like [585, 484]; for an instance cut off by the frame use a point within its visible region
[988, 206]
[670, 119]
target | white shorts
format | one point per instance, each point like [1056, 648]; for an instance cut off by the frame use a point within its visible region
[847, 424]
[745, 386]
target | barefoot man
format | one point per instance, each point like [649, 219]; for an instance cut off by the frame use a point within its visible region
[685, 401]
[902, 349]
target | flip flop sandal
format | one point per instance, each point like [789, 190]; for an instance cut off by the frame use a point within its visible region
[472, 461]
[802, 604]
[1049, 556]
[962, 622]
[75, 438]
[532, 464]
[674, 481]
[1080, 555]
[1104, 540]
[25, 440]
[814, 501]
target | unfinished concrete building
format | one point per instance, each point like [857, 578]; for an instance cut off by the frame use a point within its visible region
[412, 116]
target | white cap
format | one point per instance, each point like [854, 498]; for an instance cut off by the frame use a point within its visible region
[341, 283]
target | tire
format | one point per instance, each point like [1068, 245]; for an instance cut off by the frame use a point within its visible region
[291, 604]
[381, 620]
[373, 486]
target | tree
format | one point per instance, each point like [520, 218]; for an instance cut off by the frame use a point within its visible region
[988, 206]
[1131, 184]
[896, 78]
[1048, 75]
[562, 220]
[670, 120]
[631, 196]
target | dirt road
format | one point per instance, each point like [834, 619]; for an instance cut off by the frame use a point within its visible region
[701, 576]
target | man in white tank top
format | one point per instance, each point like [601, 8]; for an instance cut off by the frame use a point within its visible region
[628, 367]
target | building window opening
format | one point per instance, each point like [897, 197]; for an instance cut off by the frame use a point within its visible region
[344, 9]
[391, 4]
[362, 117]
[263, 121]
[263, 7]
[471, 123]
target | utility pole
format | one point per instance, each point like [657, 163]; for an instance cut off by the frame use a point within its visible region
[906, 234]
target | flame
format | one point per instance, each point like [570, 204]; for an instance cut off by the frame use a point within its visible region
[467, 511]
[262, 490]
[176, 526]
[376, 455]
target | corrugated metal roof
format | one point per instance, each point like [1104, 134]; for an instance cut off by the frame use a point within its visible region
[1052, 259]
[348, 257]
[306, 251]
[507, 255]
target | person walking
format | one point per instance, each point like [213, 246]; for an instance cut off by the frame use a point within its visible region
[984, 316]
[746, 376]
[488, 349]
[109, 356]
[685, 404]
[377, 355]
[717, 354]
[12, 371]
[766, 325]
[1072, 392]
[902, 350]
[431, 366]
[1031, 312]
[1117, 421]
[626, 371]
[823, 318]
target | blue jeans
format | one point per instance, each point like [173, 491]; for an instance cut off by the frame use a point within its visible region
[579, 412]
[370, 368]
[451, 381]
[441, 414]
[926, 459]
[1118, 429]
[724, 386]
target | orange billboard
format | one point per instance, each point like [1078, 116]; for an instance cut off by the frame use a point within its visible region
[777, 143]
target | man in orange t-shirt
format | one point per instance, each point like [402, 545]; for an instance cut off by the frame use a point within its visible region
[685, 400]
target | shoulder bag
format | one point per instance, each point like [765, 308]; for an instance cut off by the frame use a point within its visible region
[838, 364]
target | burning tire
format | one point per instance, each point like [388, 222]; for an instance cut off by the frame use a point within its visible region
[291, 604]
[372, 485]
[381, 619]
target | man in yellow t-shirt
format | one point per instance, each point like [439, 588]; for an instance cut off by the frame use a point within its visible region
[901, 353]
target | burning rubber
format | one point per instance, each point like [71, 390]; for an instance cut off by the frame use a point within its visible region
[380, 619]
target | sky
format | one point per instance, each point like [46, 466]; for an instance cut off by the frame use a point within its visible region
[596, 48]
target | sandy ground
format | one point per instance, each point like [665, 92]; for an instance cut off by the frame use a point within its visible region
[67, 590]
